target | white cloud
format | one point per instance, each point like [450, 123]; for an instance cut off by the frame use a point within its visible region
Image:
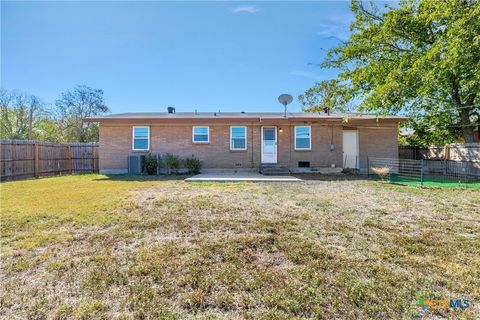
[308, 75]
[246, 9]
[336, 26]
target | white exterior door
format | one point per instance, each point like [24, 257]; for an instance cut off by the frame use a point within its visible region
[269, 144]
[350, 149]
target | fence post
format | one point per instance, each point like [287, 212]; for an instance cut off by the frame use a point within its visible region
[421, 173]
[69, 159]
[93, 160]
[37, 160]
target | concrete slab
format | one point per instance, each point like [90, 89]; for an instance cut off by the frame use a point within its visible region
[240, 177]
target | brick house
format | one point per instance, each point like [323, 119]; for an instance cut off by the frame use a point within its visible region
[249, 140]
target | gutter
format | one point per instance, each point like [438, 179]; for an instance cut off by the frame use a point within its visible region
[245, 120]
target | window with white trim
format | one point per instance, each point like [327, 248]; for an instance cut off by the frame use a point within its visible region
[201, 135]
[303, 139]
[238, 138]
[141, 138]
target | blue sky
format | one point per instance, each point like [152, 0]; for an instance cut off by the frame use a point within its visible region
[209, 56]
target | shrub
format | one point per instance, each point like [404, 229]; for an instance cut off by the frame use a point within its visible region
[150, 164]
[172, 162]
[382, 172]
[193, 165]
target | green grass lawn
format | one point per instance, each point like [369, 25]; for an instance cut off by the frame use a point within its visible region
[436, 182]
[95, 247]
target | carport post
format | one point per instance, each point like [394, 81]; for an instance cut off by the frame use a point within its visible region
[368, 167]
[421, 173]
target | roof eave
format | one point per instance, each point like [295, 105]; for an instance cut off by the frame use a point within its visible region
[245, 119]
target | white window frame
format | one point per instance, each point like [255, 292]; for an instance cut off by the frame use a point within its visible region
[231, 138]
[309, 140]
[193, 134]
[133, 138]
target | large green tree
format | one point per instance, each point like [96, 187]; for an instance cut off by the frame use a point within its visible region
[420, 58]
[24, 116]
[76, 105]
[20, 115]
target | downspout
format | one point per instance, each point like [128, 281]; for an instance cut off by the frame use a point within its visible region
[290, 144]
[251, 139]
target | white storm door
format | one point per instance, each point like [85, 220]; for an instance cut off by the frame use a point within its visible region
[269, 144]
[350, 149]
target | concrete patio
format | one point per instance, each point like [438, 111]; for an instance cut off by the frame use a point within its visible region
[240, 177]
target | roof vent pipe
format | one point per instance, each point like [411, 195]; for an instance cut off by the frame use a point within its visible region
[326, 110]
[171, 110]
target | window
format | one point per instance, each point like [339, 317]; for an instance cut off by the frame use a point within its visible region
[303, 138]
[141, 138]
[200, 135]
[238, 138]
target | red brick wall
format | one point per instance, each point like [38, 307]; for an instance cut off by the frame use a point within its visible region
[377, 142]
[116, 144]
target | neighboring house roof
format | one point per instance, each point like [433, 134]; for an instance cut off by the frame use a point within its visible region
[242, 116]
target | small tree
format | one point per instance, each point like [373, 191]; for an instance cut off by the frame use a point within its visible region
[329, 94]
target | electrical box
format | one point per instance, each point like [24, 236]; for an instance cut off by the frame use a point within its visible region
[135, 163]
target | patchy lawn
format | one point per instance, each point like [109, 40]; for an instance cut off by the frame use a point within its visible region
[94, 247]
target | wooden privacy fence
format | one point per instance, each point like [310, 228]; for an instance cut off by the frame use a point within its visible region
[455, 152]
[20, 159]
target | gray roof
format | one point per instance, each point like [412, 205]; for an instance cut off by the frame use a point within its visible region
[233, 115]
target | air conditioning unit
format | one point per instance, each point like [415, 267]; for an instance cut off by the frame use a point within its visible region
[135, 163]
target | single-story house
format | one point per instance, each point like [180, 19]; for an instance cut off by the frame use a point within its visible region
[249, 140]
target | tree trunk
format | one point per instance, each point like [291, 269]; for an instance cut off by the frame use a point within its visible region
[30, 123]
[478, 127]
[465, 110]
[466, 125]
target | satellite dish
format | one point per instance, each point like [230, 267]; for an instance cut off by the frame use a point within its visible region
[285, 99]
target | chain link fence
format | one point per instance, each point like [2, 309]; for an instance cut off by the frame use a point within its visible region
[434, 173]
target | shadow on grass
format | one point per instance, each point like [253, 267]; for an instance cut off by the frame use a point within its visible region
[130, 177]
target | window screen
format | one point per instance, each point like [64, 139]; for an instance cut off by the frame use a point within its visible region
[238, 137]
[302, 138]
[200, 134]
[141, 138]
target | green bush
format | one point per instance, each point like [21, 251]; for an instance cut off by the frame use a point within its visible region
[150, 164]
[193, 165]
[172, 162]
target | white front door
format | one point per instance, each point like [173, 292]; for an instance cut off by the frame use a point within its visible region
[269, 144]
[350, 149]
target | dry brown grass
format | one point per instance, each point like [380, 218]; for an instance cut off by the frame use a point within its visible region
[382, 172]
[344, 249]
